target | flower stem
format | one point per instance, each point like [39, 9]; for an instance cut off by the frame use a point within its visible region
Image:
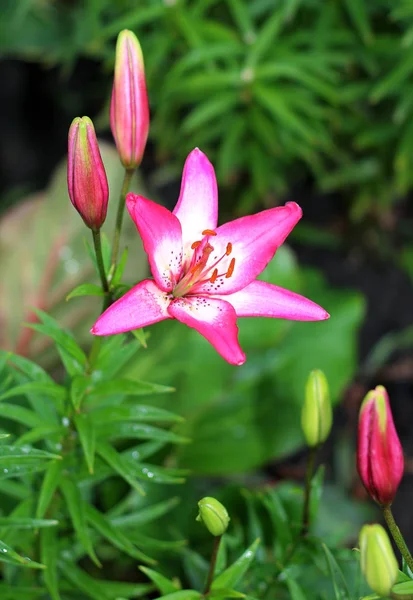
[307, 492]
[397, 536]
[119, 215]
[214, 556]
[97, 242]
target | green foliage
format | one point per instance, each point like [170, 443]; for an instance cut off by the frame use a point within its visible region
[272, 91]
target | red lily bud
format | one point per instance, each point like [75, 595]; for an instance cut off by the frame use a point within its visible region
[129, 109]
[86, 176]
[379, 453]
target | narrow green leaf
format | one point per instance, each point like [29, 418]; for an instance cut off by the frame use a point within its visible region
[86, 430]
[81, 384]
[77, 509]
[119, 464]
[336, 574]
[139, 431]
[145, 515]
[296, 592]
[222, 594]
[83, 582]
[156, 474]
[26, 523]
[46, 388]
[39, 434]
[358, 13]
[114, 536]
[8, 555]
[31, 369]
[135, 412]
[182, 595]
[128, 387]
[19, 414]
[164, 585]
[266, 38]
[49, 551]
[19, 592]
[15, 489]
[62, 337]
[51, 481]
[241, 16]
[211, 109]
[118, 590]
[280, 519]
[21, 470]
[142, 336]
[231, 576]
[10, 455]
[116, 279]
[86, 289]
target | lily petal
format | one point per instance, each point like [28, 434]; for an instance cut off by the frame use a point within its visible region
[254, 241]
[261, 299]
[143, 305]
[214, 319]
[197, 206]
[161, 235]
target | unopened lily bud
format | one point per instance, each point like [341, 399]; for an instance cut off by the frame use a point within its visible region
[377, 560]
[379, 453]
[213, 515]
[86, 176]
[316, 415]
[129, 109]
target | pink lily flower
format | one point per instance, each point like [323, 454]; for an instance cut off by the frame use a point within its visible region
[204, 275]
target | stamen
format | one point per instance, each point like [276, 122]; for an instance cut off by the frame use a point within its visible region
[195, 245]
[230, 268]
[208, 232]
[214, 276]
[229, 249]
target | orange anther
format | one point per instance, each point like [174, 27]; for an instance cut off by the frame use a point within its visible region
[230, 268]
[208, 232]
[214, 276]
[195, 245]
[229, 249]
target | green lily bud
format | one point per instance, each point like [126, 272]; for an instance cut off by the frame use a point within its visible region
[316, 415]
[213, 515]
[378, 563]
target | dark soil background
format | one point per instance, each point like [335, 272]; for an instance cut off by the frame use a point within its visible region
[36, 108]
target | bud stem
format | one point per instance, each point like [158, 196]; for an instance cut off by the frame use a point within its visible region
[119, 215]
[214, 556]
[397, 536]
[99, 259]
[307, 492]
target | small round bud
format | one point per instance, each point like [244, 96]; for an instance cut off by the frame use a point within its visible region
[213, 515]
[316, 415]
[377, 560]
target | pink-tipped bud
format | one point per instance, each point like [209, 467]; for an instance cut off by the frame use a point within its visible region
[379, 452]
[129, 109]
[86, 176]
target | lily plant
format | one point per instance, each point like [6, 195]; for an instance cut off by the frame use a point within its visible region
[205, 275]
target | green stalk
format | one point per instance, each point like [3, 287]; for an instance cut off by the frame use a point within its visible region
[97, 242]
[212, 564]
[307, 493]
[119, 216]
[397, 536]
